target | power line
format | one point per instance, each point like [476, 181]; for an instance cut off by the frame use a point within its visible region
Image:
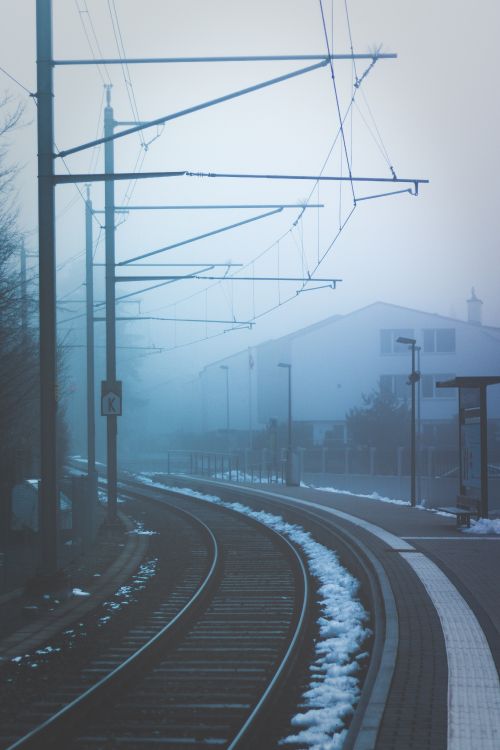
[322, 257]
[81, 14]
[12, 78]
[124, 66]
[336, 96]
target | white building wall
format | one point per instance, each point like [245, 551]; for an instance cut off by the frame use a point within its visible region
[338, 360]
[334, 364]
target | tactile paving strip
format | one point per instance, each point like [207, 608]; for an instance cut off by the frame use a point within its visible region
[473, 683]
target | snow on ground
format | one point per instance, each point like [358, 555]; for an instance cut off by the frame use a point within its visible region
[380, 498]
[139, 530]
[333, 689]
[484, 526]
[80, 592]
[372, 496]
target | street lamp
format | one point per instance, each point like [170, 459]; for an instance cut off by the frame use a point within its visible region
[289, 447]
[413, 380]
[226, 368]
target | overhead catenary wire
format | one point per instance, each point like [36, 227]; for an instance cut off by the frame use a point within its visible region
[300, 230]
[119, 32]
[376, 136]
[321, 257]
[15, 80]
[106, 79]
[334, 82]
[115, 23]
[144, 145]
[101, 67]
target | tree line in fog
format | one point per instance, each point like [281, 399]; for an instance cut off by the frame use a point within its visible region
[19, 341]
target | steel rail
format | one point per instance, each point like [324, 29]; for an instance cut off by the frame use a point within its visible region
[368, 712]
[80, 706]
[250, 724]
[61, 726]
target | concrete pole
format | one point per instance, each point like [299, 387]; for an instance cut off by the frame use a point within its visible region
[250, 425]
[24, 296]
[226, 369]
[289, 467]
[483, 421]
[290, 416]
[109, 214]
[48, 493]
[89, 285]
[413, 441]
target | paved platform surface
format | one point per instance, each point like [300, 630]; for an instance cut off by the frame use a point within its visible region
[445, 690]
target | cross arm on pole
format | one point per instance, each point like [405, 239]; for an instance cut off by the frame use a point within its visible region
[180, 320]
[212, 206]
[225, 58]
[196, 108]
[199, 237]
[200, 276]
[63, 179]
[182, 265]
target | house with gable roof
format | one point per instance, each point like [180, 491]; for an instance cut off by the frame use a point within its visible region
[337, 360]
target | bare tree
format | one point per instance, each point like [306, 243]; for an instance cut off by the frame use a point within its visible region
[19, 402]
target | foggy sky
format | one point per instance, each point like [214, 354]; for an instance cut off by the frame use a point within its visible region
[435, 108]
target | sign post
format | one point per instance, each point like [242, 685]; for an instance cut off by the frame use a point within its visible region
[111, 399]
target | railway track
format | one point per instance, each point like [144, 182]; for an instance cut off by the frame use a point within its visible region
[196, 672]
[374, 593]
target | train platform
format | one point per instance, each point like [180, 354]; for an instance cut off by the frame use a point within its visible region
[438, 683]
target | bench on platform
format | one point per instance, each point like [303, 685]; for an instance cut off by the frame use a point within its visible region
[463, 510]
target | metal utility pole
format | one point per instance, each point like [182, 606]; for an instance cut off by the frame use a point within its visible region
[24, 298]
[413, 380]
[413, 429]
[251, 364]
[290, 446]
[89, 295]
[109, 218]
[419, 425]
[48, 493]
[226, 368]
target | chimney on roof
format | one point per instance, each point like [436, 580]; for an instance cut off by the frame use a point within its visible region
[474, 309]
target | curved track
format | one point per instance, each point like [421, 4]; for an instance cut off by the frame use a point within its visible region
[375, 593]
[208, 674]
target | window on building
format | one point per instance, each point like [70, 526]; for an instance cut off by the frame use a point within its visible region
[429, 389]
[388, 340]
[439, 340]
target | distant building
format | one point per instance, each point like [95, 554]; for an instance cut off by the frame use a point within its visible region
[338, 359]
